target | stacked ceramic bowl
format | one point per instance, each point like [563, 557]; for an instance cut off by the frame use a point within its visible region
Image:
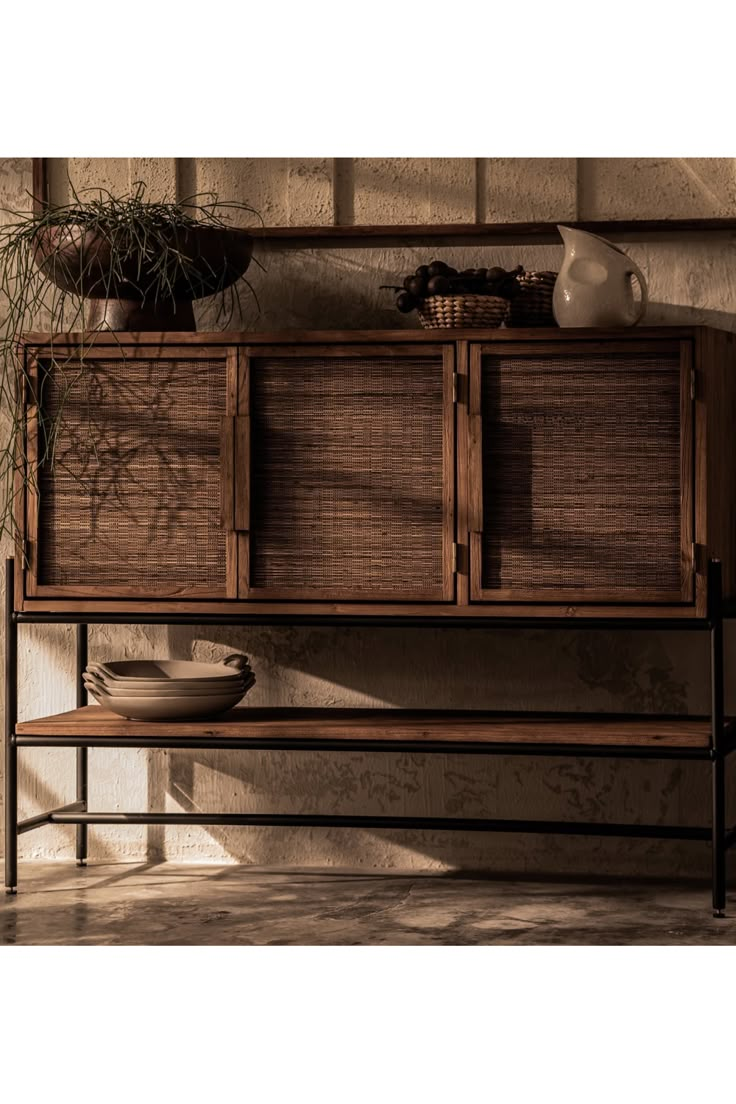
[169, 689]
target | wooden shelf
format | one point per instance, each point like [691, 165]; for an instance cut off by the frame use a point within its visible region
[315, 237]
[381, 726]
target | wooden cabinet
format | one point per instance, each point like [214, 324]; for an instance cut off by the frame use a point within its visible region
[344, 473]
[581, 471]
[527, 476]
[130, 489]
[434, 473]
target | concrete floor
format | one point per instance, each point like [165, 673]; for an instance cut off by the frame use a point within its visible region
[172, 904]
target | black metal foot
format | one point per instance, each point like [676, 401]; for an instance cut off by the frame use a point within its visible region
[81, 862]
[11, 891]
[719, 914]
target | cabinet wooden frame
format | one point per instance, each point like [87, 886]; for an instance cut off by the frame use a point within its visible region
[707, 477]
[242, 436]
[473, 494]
[29, 522]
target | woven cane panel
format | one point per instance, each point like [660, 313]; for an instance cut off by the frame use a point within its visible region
[581, 473]
[347, 473]
[133, 497]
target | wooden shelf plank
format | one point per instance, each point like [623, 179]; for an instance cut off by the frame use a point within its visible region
[116, 340]
[294, 237]
[385, 726]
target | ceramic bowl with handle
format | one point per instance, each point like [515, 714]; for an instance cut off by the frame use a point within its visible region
[96, 685]
[167, 686]
[178, 708]
[150, 671]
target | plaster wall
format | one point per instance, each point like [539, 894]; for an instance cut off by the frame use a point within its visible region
[394, 190]
[691, 279]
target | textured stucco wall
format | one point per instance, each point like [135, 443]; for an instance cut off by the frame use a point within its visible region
[394, 190]
[691, 279]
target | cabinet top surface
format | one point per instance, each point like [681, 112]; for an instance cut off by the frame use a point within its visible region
[243, 337]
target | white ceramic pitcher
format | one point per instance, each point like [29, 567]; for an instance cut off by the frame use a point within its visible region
[594, 284]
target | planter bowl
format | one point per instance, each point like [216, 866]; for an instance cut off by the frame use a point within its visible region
[79, 261]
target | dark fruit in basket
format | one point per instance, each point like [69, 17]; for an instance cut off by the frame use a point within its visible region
[509, 288]
[439, 278]
[416, 286]
[439, 268]
[439, 285]
[405, 302]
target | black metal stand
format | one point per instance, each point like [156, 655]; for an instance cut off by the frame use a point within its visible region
[718, 764]
[77, 812]
[11, 718]
[82, 753]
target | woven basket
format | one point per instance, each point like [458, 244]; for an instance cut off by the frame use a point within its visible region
[439, 312]
[533, 305]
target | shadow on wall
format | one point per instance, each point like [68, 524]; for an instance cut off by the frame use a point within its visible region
[340, 288]
[667, 314]
[446, 668]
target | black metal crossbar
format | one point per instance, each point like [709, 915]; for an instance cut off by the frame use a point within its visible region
[315, 743]
[40, 819]
[422, 823]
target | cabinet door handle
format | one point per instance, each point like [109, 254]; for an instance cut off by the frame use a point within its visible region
[235, 472]
[475, 473]
[227, 473]
[242, 472]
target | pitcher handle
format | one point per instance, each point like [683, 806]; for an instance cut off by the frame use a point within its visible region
[635, 271]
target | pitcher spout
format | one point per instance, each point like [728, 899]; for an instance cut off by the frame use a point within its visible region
[576, 239]
[567, 234]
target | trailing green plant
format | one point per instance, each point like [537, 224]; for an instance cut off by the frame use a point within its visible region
[147, 251]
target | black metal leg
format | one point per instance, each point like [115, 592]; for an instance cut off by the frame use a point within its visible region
[718, 769]
[82, 753]
[11, 750]
[719, 837]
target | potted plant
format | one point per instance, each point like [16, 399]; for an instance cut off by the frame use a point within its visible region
[105, 262]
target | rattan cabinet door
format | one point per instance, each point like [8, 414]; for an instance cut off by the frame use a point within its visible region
[580, 472]
[345, 473]
[131, 496]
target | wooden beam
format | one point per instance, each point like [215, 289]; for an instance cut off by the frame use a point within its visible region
[40, 183]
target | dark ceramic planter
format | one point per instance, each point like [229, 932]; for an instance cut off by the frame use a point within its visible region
[78, 261]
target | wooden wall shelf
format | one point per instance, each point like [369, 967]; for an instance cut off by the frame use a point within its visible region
[542, 233]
